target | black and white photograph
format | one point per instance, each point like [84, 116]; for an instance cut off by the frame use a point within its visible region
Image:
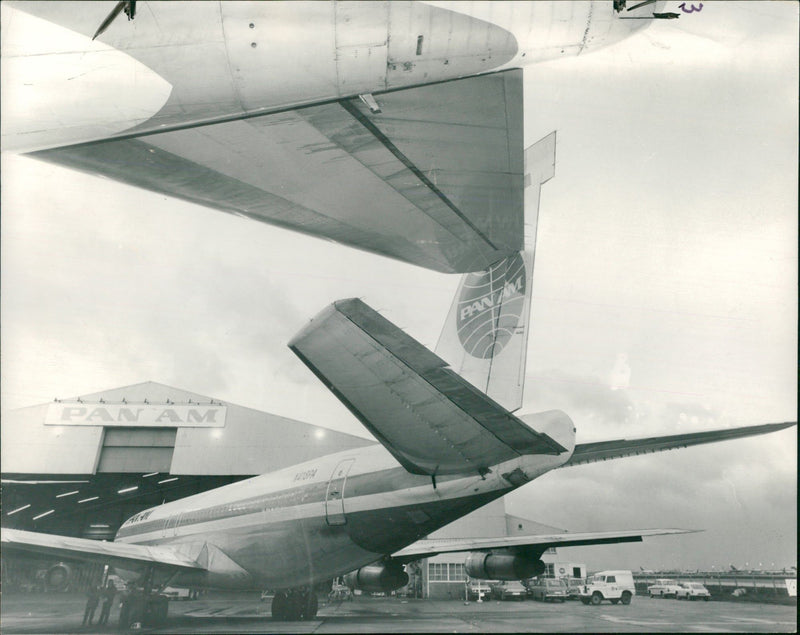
[407, 316]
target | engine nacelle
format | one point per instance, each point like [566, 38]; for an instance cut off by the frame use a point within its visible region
[58, 577]
[504, 566]
[377, 577]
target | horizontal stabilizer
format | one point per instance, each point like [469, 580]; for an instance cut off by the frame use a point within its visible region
[123, 555]
[431, 547]
[431, 419]
[605, 450]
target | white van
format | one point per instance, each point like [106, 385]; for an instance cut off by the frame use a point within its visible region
[615, 586]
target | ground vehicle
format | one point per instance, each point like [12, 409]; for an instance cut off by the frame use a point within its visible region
[692, 591]
[615, 586]
[574, 586]
[177, 593]
[509, 589]
[545, 589]
[663, 588]
[477, 589]
[340, 592]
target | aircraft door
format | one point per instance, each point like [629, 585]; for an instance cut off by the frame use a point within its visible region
[334, 496]
[171, 526]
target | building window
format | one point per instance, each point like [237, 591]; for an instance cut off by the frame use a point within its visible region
[549, 570]
[446, 572]
[456, 572]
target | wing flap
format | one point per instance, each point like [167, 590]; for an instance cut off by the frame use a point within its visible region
[16, 541]
[435, 178]
[431, 547]
[605, 450]
[429, 418]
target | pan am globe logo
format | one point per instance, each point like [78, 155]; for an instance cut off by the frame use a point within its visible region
[490, 307]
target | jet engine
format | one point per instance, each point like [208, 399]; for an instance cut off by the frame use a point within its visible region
[377, 577]
[502, 566]
[58, 577]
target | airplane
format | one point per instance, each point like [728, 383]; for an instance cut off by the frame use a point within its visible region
[393, 127]
[446, 448]
[448, 444]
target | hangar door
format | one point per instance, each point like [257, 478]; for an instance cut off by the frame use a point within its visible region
[334, 497]
[137, 450]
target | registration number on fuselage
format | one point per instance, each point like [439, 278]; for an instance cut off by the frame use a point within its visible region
[305, 475]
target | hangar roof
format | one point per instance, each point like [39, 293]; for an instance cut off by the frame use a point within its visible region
[81, 466]
[154, 427]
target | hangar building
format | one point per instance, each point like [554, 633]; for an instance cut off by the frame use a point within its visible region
[81, 466]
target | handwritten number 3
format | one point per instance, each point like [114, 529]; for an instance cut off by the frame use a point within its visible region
[691, 9]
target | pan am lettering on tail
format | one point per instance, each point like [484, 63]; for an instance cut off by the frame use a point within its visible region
[446, 448]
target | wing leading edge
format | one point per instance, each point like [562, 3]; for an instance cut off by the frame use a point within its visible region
[123, 555]
[431, 547]
[431, 419]
[619, 448]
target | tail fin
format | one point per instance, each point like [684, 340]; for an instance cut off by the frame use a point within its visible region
[485, 336]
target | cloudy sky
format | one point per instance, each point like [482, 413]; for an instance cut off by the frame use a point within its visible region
[665, 291]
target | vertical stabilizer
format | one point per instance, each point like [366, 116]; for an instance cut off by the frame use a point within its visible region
[485, 336]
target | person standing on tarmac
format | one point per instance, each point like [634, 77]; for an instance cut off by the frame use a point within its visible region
[108, 601]
[93, 597]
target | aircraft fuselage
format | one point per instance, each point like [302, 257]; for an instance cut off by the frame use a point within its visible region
[318, 519]
[184, 64]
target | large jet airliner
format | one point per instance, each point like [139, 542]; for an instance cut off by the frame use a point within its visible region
[395, 127]
[449, 444]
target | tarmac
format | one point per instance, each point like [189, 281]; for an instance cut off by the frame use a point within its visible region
[245, 613]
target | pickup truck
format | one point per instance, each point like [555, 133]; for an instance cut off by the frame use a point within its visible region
[663, 588]
[692, 591]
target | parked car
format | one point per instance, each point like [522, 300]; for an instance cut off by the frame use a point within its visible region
[177, 593]
[478, 589]
[692, 591]
[509, 589]
[664, 588]
[615, 586]
[544, 589]
[574, 586]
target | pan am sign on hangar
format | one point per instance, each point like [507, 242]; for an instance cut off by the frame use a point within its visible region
[157, 415]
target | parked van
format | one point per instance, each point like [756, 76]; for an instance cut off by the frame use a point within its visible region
[615, 586]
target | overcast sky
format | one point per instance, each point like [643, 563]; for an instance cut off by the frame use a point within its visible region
[665, 290]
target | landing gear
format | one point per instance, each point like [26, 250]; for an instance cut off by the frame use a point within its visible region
[294, 604]
[143, 607]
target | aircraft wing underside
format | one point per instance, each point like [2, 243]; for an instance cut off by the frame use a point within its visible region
[435, 178]
[432, 420]
[125, 556]
[619, 448]
[539, 542]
